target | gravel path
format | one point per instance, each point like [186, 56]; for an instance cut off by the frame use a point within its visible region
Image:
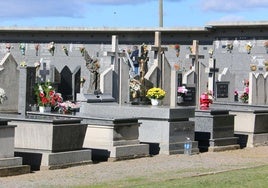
[172, 166]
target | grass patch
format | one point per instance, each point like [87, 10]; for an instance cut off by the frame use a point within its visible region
[251, 177]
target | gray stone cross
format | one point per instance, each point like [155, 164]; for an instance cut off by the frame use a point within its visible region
[114, 54]
[158, 51]
[43, 73]
[120, 80]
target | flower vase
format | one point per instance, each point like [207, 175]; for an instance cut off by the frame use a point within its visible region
[180, 99]
[43, 109]
[154, 102]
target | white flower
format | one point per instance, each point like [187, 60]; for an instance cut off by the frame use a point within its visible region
[37, 64]
[135, 85]
[40, 88]
[2, 96]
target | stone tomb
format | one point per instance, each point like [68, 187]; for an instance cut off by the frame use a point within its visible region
[114, 138]
[50, 142]
[9, 165]
[251, 126]
[214, 130]
[163, 128]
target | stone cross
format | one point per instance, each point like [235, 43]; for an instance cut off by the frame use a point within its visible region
[44, 72]
[120, 78]
[195, 59]
[158, 61]
[212, 70]
[114, 54]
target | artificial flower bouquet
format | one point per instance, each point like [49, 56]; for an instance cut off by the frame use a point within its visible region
[244, 97]
[46, 95]
[68, 107]
[3, 96]
[155, 93]
[135, 87]
[182, 90]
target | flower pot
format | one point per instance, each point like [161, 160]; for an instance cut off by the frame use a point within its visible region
[155, 102]
[43, 109]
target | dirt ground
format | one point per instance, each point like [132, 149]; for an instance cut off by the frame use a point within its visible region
[169, 166]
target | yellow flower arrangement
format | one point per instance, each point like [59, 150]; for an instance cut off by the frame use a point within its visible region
[155, 93]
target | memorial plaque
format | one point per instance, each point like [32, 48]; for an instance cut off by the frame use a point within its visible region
[189, 97]
[222, 89]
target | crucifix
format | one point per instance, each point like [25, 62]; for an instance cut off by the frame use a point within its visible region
[212, 75]
[44, 72]
[195, 60]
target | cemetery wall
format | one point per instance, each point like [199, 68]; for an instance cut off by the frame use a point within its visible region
[98, 40]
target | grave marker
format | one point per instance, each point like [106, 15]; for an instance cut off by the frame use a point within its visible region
[225, 86]
[159, 59]
[9, 82]
[44, 72]
[212, 70]
[195, 60]
[120, 73]
[222, 90]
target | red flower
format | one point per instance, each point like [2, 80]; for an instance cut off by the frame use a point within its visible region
[177, 46]
[51, 93]
[53, 102]
[44, 100]
[41, 94]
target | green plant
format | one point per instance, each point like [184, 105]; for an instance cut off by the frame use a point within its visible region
[244, 97]
[155, 93]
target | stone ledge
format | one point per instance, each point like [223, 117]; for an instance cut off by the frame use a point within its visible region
[223, 148]
[68, 165]
[14, 170]
[57, 160]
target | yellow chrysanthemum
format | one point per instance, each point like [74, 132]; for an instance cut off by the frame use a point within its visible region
[155, 93]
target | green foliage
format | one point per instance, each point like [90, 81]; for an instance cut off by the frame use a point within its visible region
[246, 178]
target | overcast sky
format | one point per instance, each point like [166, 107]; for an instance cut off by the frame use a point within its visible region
[128, 13]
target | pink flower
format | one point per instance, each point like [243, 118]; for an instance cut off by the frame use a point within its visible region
[182, 89]
[246, 90]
